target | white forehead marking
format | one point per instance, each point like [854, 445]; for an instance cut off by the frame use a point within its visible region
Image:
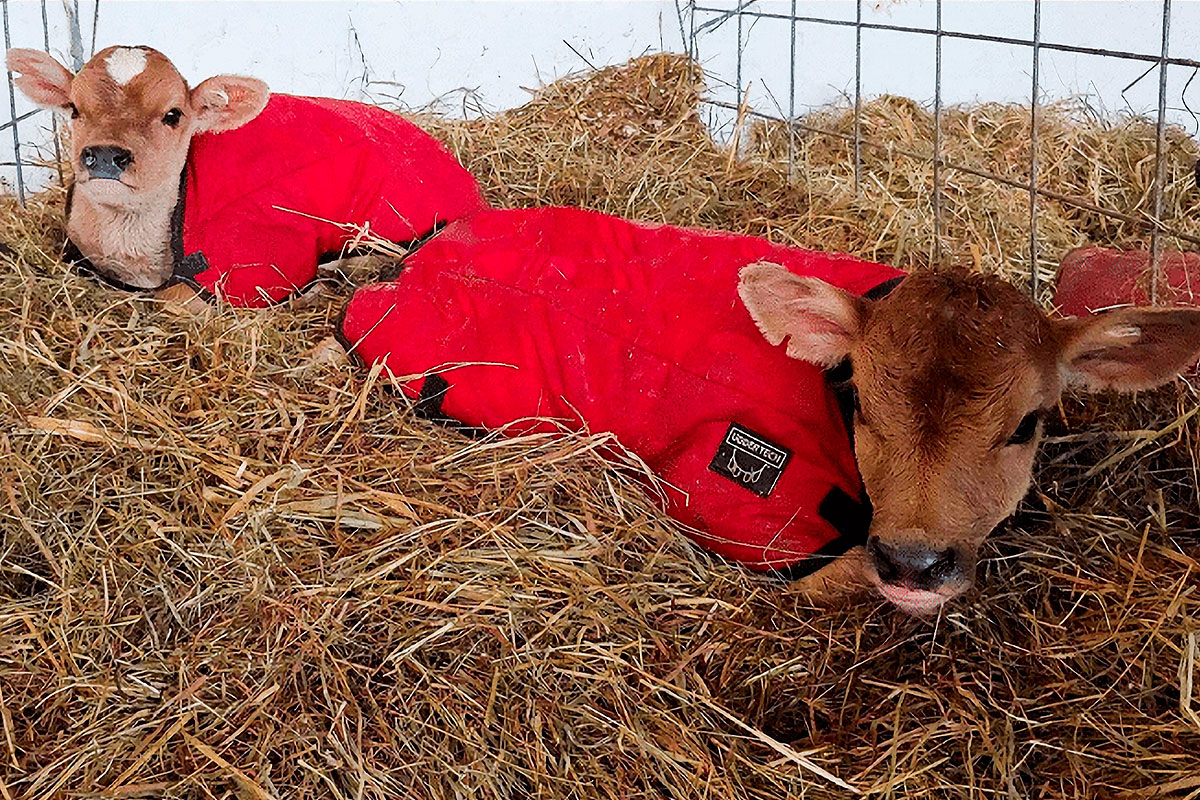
[125, 64]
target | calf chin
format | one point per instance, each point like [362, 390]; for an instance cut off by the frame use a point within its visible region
[917, 602]
[921, 602]
[109, 193]
[126, 245]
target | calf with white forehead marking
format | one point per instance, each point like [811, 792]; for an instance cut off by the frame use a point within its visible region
[225, 187]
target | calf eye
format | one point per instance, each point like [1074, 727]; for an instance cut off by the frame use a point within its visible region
[859, 416]
[172, 117]
[74, 111]
[1026, 429]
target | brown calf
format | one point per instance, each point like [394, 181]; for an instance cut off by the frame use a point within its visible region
[953, 373]
[132, 117]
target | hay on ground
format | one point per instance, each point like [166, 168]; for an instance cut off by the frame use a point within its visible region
[222, 575]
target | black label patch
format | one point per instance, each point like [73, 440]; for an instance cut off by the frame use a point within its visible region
[750, 460]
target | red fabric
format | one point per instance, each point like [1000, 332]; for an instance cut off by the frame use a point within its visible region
[629, 328]
[348, 163]
[1095, 278]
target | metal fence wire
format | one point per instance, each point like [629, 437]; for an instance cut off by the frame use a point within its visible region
[20, 162]
[699, 18]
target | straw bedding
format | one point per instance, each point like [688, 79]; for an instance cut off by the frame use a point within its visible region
[225, 575]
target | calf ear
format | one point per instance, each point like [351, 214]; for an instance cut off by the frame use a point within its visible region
[1129, 349]
[42, 79]
[820, 321]
[225, 102]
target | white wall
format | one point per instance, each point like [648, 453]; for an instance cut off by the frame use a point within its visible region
[904, 63]
[463, 55]
[469, 55]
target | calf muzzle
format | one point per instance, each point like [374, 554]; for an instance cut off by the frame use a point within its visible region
[105, 161]
[908, 562]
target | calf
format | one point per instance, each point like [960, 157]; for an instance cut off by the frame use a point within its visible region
[953, 374]
[226, 187]
[513, 316]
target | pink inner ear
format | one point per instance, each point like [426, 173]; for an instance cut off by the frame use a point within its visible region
[41, 86]
[52, 92]
[206, 97]
[225, 102]
[821, 326]
[1161, 344]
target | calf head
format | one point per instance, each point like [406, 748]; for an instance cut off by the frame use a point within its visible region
[132, 117]
[953, 373]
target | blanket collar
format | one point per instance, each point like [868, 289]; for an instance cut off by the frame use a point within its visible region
[850, 517]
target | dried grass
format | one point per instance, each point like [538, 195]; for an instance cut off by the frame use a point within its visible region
[222, 575]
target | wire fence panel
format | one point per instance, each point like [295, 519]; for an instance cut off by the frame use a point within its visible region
[805, 38]
[31, 158]
[893, 45]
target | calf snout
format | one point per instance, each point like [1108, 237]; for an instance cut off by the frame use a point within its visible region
[909, 562]
[105, 161]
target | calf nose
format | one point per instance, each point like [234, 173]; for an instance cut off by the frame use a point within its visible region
[105, 161]
[909, 563]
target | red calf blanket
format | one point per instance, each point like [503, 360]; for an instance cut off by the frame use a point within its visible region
[638, 330]
[262, 204]
[1094, 278]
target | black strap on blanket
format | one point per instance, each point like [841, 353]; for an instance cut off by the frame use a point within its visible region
[72, 255]
[186, 266]
[851, 518]
[429, 400]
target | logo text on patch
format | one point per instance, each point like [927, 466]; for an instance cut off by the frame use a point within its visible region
[750, 460]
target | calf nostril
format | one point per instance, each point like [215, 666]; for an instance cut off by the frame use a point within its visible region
[884, 564]
[942, 567]
[122, 160]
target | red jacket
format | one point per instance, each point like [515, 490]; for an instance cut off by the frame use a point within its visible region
[1091, 279]
[638, 330]
[262, 204]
